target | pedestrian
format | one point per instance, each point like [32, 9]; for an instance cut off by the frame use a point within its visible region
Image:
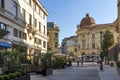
[82, 62]
[77, 60]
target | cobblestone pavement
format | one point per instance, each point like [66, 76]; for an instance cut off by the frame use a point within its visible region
[85, 72]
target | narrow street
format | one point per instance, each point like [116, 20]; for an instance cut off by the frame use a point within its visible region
[84, 72]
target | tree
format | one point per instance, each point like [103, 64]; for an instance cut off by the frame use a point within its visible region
[108, 41]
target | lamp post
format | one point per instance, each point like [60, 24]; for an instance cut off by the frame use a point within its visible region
[101, 54]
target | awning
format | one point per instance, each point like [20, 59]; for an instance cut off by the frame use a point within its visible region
[5, 44]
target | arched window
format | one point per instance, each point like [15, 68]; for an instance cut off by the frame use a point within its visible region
[93, 35]
[83, 44]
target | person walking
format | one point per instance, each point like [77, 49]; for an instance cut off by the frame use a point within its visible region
[77, 60]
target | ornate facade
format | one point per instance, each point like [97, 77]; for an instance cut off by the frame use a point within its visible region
[89, 37]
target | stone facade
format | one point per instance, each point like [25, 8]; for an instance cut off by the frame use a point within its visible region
[89, 38]
[69, 46]
[26, 21]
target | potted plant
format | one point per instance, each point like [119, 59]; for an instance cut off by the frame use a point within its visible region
[46, 63]
[118, 67]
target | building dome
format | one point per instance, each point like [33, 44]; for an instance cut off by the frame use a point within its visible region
[87, 21]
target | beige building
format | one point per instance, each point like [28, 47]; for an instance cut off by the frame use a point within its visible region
[26, 21]
[53, 34]
[69, 46]
[117, 28]
[89, 37]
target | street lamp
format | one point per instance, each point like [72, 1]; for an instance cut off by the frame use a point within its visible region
[101, 56]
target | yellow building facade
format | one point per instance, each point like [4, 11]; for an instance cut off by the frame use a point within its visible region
[53, 34]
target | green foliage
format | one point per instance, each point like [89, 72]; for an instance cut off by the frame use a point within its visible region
[20, 46]
[1, 58]
[108, 41]
[118, 64]
[46, 61]
[59, 62]
[18, 74]
[24, 68]
[1, 77]
[6, 77]
[12, 75]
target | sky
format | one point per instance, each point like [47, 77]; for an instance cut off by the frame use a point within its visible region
[68, 13]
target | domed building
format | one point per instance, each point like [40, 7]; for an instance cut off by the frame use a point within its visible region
[89, 37]
[87, 21]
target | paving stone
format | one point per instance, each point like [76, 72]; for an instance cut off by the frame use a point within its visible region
[86, 72]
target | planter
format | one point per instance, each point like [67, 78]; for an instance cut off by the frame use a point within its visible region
[118, 71]
[47, 72]
[36, 69]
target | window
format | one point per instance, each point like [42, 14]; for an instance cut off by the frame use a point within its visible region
[39, 10]
[2, 26]
[44, 30]
[39, 41]
[15, 32]
[35, 40]
[56, 35]
[34, 6]
[56, 44]
[24, 36]
[23, 13]
[29, 2]
[93, 45]
[83, 35]
[14, 8]
[39, 26]
[48, 33]
[20, 34]
[75, 49]
[2, 3]
[30, 19]
[93, 35]
[44, 44]
[35, 22]
[83, 44]
[43, 15]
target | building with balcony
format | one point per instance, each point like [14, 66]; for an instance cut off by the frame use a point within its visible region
[53, 34]
[89, 37]
[25, 21]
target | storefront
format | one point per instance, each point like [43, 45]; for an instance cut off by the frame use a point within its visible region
[90, 57]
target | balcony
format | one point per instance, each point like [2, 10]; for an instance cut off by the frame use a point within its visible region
[31, 29]
[11, 17]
